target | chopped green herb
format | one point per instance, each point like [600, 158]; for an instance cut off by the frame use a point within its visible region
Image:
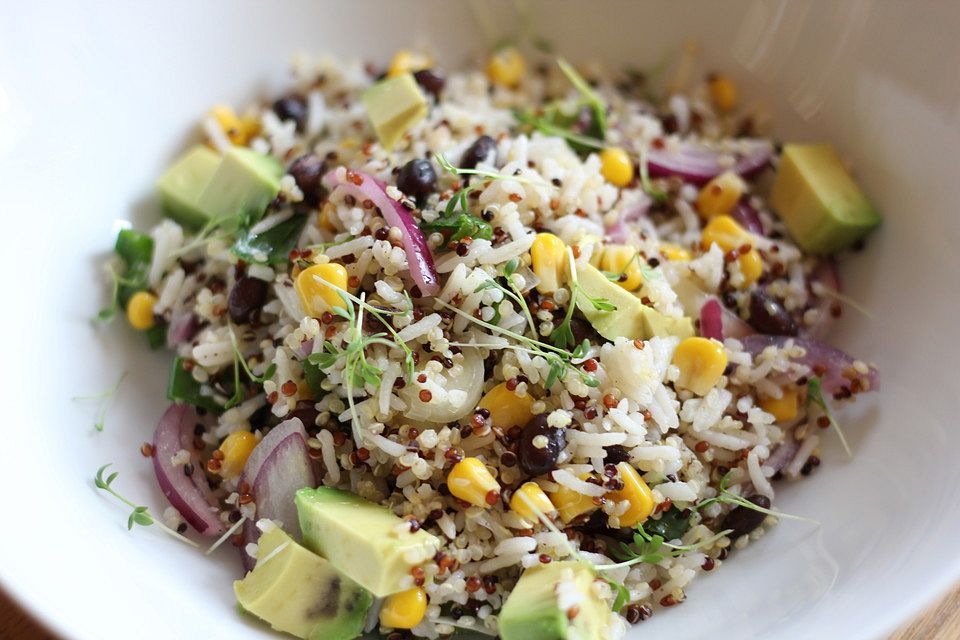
[459, 226]
[181, 387]
[673, 523]
[815, 396]
[651, 548]
[314, 377]
[139, 514]
[135, 251]
[105, 398]
[273, 246]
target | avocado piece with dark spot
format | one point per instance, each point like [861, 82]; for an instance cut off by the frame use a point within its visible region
[298, 592]
[632, 319]
[820, 203]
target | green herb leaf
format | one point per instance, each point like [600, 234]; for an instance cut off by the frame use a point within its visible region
[314, 377]
[181, 387]
[273, 246]
[600, 304]
[671, 525]
[459, 226]
[135, 249]
[139, 514]
[623, 594]
[815, 396]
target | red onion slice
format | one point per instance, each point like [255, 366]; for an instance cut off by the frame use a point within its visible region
[183, 327]
[187, 494]
[287, 470]
[818, 354]
[418, 253]
[826, 274]
[783, 454]
[748, 218]
[711, 320]
[699, 164]
[266, 446]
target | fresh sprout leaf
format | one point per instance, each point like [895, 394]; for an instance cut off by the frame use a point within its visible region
[562, 336]
[497, 316]
[105, 398]
[590, 381]
[601, 304]
[623, 594]
[656, 194]
[511, 267]
[273, 246]
[488, 284]
[139, 514]
[459, 226]
[725, 496]
[581, 350]
[815, 396]
[575, 140]
[581, 85]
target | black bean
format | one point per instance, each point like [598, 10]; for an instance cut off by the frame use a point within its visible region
[483, 149]
[743, 520]
[431, 80]
[417, 178]
[616, 454]
[307, 171]
[292, 107]
[307, 412]
[247, 296]
[768, 316]
[583, 330]
[539, 460]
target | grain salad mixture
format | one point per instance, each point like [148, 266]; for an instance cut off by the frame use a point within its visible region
[521, 350]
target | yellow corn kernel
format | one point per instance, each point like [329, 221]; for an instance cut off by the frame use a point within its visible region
[674, 253]
[701, 362]
[548, 259]
[472, 482]
[236, 448]
[725, 232]
[570, 503]
[616, 166]
[404, 610]
[783, 408]
[405, 61]
[637, 493]
[719, 196]
[315, 296]
[238, 130]
[506, 67]
[622, 259]
[325, 219]
[506, 408]
[723, 93]
[140, 310]
[533, 493]
[751, 266]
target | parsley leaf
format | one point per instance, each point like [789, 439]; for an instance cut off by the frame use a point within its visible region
[273, 246]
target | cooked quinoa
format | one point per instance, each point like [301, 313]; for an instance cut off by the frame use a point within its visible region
[418, 369]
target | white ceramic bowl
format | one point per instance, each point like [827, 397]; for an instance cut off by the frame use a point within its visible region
[96, 98]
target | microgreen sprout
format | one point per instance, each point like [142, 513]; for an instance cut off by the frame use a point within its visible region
[725, 496]
[240, 362]
[645, 271]
[651, 549]
[648, 188]
[513, 292]
[562, 336]
[815, 396]
[140, 514]
[105, 398]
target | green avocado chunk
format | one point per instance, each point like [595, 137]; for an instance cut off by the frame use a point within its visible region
[537, 607]
[632, 319]
[300, 593]
[243, 185]
[394, 105]
[182, 184]
[816, 198]
[363, 540]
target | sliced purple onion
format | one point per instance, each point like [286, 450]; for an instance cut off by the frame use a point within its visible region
[825, 273]
[748, 218]
[189, 495]
[265, 477]
[833, 361]
[699, 164]
[287, 470]
[419, 258]
[183, 327]
[711, 320]
[784, 454]
[619, 231]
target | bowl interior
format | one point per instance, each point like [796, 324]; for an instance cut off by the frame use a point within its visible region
[95, 100]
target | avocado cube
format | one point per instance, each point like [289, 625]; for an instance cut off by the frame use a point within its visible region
[816, 198]
[182, 184]
[300, 593]
[536, 608]
[365, 541]
[632, 319]
[394, 105]
[243, 185]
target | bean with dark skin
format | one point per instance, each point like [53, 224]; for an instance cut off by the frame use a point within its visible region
[768, 316]
[597, 525]
[248, 295]
[431, 80]
[616, 454]
[292, 107]
[482, 149]
[307, 172]
[417, 178]
[307, 412]
[743, 520]
[535, 460]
